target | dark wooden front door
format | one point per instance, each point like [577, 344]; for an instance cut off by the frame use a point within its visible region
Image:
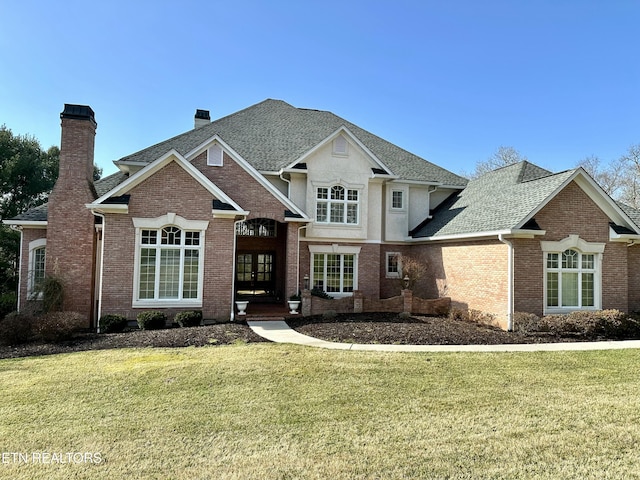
[256, 275]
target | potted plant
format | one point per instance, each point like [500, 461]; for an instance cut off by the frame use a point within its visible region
[294, 303]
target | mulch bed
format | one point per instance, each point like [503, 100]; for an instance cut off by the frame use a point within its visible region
[361, 328]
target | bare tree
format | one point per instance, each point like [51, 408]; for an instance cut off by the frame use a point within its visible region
[631, 177]
[611, 177]
[502, 157]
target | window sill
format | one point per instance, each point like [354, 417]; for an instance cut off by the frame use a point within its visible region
[566, 310]
[167, 304]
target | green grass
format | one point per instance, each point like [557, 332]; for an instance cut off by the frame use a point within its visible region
[284, 412]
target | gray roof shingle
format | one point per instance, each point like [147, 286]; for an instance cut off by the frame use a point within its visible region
[273, 134]
[498, 200]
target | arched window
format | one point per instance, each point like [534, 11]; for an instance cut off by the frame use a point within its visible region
[337, 204]
[571, 279]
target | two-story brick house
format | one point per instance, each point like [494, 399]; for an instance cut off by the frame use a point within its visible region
[251, 204]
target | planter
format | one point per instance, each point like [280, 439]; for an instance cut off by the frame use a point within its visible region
[241, 305]
[293, 306]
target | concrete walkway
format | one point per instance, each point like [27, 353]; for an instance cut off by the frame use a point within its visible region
[278, 331]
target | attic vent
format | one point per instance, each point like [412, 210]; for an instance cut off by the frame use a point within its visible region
[340, 146]
[214, 156]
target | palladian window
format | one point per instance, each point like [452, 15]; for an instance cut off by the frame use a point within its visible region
[337, 204]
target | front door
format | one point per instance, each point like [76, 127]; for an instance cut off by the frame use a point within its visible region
[255, 275]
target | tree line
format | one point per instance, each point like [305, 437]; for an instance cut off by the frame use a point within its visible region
[619, 178]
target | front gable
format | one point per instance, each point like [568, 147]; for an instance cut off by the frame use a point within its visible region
[117, 199]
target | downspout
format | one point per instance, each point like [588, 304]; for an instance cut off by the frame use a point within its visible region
[510, 282]
[233, 268]
[104, 225]
[20, 264]
[288, 182]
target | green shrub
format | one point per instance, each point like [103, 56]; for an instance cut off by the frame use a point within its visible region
[404, 315]
[58, 326]
[15, 328]
[191, 318]
[113, 323]
[151, 320]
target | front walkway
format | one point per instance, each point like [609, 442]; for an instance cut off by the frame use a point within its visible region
[278, 331]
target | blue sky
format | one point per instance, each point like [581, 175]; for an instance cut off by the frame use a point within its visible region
[448, 80]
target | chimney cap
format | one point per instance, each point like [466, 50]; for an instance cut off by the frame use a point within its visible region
[78, 112]
[203, 114]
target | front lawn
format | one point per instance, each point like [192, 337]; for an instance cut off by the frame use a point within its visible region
[281, 411]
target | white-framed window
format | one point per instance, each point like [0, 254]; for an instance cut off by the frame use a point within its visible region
[572, 275]
[36, 270]
[394, 264]
[215, 156]
[337, 204]
[169, 262]
[334, 269]
[397, 199]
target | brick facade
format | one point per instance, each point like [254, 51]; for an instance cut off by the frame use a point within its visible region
[71, 235]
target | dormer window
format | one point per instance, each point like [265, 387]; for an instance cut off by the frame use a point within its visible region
[214, 156]
[337, 204]
[340, 146]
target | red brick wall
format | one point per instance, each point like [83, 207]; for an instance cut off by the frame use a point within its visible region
[633, 271]
[169, 190]
[571, 212]
[368, 265]
[233, 180]
[70, 226]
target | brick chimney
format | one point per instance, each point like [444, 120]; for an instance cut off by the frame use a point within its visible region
[202, 118]
[71, 235]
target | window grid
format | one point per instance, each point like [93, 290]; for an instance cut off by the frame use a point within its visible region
[169, 264]
[333, 272]
[571, 279]
[397, 199]
[337, 205]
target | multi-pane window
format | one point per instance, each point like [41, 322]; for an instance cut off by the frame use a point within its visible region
[397, 199]
[169, 264]
[394, 266]
[36, 273]
[337, 204]
[571, 279]
[334, 272]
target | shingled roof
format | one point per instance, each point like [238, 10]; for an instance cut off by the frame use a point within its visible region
[272, 134]
[498, 200]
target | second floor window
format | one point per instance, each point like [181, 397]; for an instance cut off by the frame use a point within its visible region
[337, 204]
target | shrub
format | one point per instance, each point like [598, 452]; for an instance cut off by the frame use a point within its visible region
[112, 323]
[191, 318]
[458, 314]
[404, 315]
[318, 292]
[151, 320]
[592, 324]
[329, 314]
[525, 322]
[15, 328]
[58, 326]
[8, 303]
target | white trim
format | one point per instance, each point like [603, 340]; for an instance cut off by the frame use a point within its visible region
[339, 250]
[595, 193]
[374, 160]
[573, 242]
[27, 223]
[235, 156]
[152, 168]
[514, 232]
[107, 208]
[389, 274]
[158, 223]
[218, 159]
[33, 246]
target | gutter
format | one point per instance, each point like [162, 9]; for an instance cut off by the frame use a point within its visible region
[104, 228]
[510, 282]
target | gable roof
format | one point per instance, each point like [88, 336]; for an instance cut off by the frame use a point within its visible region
[507, 199]
[272, 135]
